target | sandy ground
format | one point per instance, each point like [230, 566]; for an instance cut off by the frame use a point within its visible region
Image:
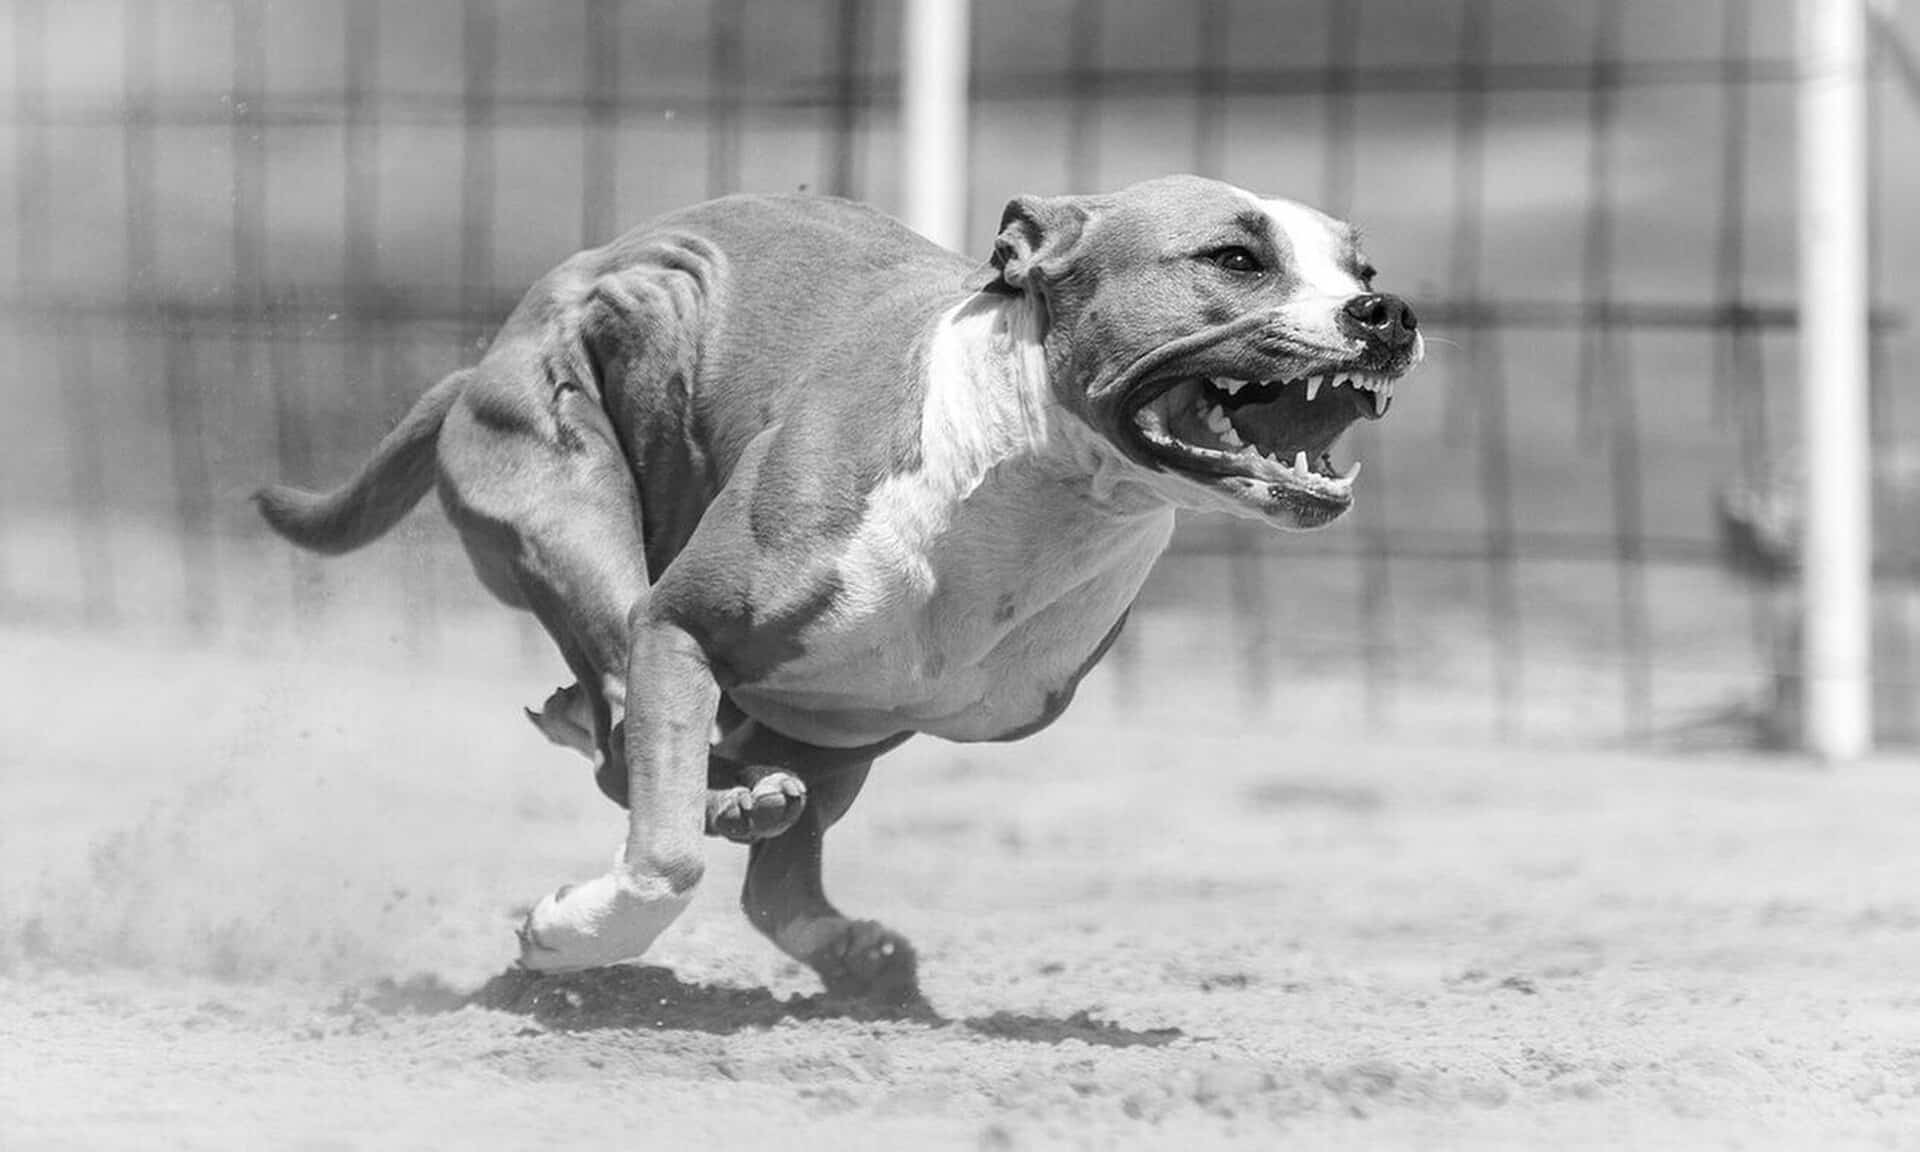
[248, 904]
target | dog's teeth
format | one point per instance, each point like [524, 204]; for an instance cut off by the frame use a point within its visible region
[1380, 402]
[1231, 438]
[1349, 474]
[1313, 387]
[1217, 420]
[1230, 387]
[1300, 464]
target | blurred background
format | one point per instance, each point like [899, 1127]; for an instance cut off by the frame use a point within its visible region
[241, 237]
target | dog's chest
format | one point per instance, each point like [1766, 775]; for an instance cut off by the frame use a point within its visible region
[969, 620]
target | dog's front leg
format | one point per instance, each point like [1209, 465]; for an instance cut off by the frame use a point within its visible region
[671, 697]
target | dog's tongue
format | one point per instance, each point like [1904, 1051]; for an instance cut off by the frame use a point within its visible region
[1289, 422]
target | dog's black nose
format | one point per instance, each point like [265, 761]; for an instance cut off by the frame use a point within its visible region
[1379, 316]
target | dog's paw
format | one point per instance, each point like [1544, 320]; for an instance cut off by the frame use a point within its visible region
[770, 807]
[608, 919]
[864, 960]
[567, 720]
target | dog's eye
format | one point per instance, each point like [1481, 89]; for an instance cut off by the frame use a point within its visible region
[1236, 259]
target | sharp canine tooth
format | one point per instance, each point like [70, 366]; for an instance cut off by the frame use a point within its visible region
[1231, 387]
[1313, 387]
[1379, 404]
[1352, 472]
[1300, 461]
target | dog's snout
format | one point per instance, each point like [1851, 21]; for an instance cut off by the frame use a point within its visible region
[1379, 316]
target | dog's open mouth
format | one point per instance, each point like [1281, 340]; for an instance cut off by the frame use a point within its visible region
[1274, 432]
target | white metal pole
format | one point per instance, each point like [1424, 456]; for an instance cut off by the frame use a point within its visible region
[1837, 576]
[933, 118]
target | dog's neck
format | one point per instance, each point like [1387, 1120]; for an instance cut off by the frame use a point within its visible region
[991, 409]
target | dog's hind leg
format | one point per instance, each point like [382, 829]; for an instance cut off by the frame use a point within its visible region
[541, 493]
[547, 508]
[786, 899]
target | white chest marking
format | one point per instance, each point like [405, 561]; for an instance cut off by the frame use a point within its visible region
[981, 583]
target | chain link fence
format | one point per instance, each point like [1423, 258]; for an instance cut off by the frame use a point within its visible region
[246, 234]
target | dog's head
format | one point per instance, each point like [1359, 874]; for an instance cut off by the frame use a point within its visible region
[1218, 340]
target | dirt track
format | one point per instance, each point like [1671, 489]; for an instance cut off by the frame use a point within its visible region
[263, 905]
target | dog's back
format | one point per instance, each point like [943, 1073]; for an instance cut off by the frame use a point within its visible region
[788, 271]
[763, 255]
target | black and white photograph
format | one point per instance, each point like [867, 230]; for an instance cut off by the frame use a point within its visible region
[959, 574]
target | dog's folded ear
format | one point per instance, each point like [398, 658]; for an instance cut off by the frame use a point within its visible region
[1037, 237]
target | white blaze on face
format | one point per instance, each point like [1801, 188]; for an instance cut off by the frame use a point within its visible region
[1319, 249]
[1317, 253]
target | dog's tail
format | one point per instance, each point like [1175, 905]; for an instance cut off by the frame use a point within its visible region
[389, 484]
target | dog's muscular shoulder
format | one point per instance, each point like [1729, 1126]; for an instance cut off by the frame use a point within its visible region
[840, 493]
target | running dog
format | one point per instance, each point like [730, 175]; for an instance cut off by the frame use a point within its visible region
[788, 484]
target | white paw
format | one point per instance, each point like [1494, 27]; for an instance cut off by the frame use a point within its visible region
[606, 920]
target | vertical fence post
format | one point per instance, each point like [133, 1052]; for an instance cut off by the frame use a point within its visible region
[1836, 593]
[933, 119]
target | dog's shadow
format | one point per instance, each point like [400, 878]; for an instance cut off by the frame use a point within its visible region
[644, 997]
